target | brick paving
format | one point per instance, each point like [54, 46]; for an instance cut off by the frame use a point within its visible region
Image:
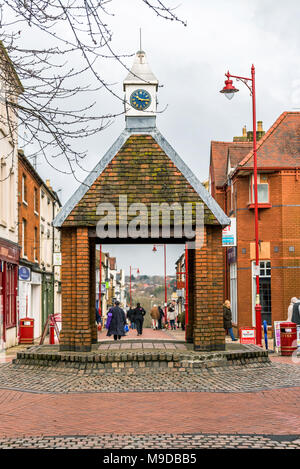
[36, 415]
[254, 406]
[150, 441]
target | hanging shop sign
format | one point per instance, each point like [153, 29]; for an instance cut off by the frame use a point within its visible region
[24, 273]
[229, 234]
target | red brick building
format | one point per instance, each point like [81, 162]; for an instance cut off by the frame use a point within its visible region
[231, 183]
[29, 239]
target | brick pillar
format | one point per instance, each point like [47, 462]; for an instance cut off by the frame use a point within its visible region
[208, 292]
[92, 247]
[191, 275]
[76, 331]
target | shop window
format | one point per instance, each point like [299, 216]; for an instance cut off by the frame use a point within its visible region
[11, 279]
[233, 292]
[264, 292]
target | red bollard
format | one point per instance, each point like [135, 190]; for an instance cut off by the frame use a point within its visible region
[51, 333]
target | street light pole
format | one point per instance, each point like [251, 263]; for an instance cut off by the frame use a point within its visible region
[229, 91]
[137, 271]
[165, 273]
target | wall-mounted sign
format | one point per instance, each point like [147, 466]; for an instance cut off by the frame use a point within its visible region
[103, 288]
[57, 258]
[229, 234]
[24, 273]
[36, 278]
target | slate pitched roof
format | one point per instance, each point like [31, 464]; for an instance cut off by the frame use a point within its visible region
[236, 153]
[145, 168]
[280, 146]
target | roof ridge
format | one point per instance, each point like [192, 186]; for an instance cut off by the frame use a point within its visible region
[267, 135]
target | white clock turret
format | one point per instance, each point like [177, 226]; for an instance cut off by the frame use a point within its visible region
[140, 88]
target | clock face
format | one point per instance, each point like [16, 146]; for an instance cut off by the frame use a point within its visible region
[140, 99]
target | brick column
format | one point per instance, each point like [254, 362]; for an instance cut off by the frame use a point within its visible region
[208, 292]
[92, 248]
[76, 331]
[191, 274]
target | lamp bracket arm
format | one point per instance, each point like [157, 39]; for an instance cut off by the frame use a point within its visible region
[244, 80]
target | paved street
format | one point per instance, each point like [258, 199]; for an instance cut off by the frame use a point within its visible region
[255, 406]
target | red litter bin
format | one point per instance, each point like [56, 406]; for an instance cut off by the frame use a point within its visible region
[26, 331]
[288, 338]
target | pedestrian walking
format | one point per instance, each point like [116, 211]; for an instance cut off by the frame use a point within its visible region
[155, 315]
[171, 315]
[161, 315]
[117, 322]
[130, 317]
[138, 317]
[294, 300]
[227, 319]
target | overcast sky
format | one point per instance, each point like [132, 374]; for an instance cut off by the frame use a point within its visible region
[190, 63]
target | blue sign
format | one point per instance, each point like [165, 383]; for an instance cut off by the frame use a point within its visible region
[24, 273]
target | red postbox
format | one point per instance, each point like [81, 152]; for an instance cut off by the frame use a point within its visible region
[288, 338]
[26, 331]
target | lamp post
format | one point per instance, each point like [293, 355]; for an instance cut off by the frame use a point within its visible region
[229, 91]
[165, 273]
[137, 271]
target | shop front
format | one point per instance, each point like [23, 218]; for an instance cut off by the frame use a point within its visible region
[30, 296]
[9, 264]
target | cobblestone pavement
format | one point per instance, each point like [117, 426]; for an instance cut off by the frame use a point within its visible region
[248, 378]
[163, 441]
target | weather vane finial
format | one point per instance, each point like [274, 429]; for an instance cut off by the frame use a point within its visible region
[140, 38]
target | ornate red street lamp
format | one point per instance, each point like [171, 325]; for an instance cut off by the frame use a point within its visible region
[165, 269]
[229, 91]
[137, 271]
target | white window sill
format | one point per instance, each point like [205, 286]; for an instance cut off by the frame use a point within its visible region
[25, 203]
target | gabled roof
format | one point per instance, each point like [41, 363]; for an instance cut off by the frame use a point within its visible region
[218, 158]
[280, 146]
[143, 166]
[236, 153]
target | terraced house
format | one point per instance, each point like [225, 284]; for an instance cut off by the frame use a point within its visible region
[231, 183]
[11, 88]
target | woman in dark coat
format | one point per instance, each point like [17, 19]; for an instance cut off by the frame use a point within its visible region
[117, 323]
[227, 318]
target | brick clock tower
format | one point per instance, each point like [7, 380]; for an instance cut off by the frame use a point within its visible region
[142, 166]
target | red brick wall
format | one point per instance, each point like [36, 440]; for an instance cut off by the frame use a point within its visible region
[208, 292]
[27, 212]
[77, 290]
[280, 226]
